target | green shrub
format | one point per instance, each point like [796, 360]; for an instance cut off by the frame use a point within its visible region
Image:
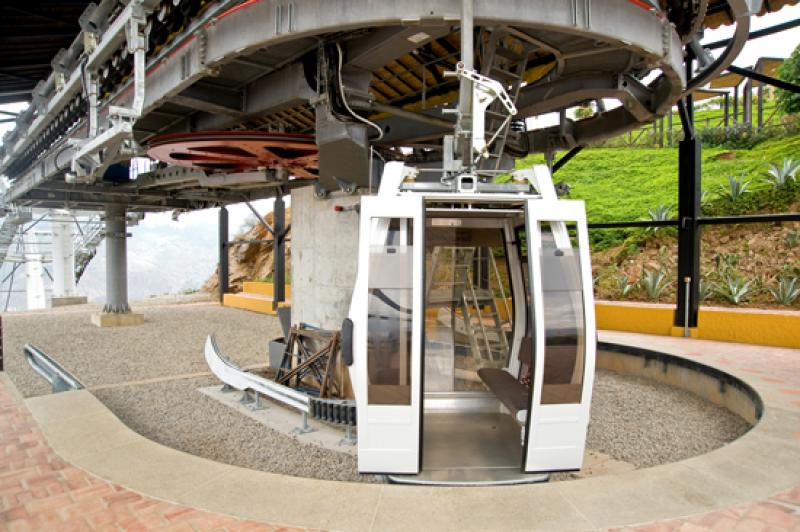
[789, 101]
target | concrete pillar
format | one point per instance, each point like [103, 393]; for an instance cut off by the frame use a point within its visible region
[64, 285]
[324, 257]
[116, 310]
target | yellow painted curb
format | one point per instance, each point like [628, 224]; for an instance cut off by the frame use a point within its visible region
[778, 328]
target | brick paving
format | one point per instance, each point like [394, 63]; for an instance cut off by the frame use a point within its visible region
[39, 491]
[779, 370]
[780, 513]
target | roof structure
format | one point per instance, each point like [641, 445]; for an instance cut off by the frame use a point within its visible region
[31, 33]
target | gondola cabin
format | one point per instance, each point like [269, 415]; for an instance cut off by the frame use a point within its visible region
[473, 330]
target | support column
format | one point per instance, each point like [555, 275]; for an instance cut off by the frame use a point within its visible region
[34, 279]
[223, 277]
[279, 251]
[64, 285]
[689, 191]
[735, 105]
[760, 104]
[116, 311]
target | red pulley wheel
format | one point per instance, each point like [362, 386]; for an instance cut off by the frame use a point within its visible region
[238, 151]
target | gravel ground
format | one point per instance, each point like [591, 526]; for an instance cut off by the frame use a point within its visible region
[633, 419]
[170, 342]
[646, 423]
[200, 425]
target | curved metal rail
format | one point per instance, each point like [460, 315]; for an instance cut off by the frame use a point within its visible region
[235, 377]
[339, 411]
[60, 379]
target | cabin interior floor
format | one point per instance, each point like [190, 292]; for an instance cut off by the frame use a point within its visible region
[470, 448]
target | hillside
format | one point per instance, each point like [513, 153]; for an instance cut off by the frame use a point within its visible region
[621, 184]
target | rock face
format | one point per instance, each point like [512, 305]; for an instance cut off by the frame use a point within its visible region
[251, 262]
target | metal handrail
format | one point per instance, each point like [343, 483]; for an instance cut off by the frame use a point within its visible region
[60, 379]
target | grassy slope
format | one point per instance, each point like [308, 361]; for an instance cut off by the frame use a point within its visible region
[620, 184]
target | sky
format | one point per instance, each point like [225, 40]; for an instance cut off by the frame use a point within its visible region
[167, 256]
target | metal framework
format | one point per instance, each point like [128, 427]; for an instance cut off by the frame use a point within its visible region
[365, 77]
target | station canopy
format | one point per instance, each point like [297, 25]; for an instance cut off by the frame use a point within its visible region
[32, 33]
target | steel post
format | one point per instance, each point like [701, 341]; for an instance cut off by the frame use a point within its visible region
[116, 261]
[223, 253]
[689, 191]
[465, 86]
[279, 251]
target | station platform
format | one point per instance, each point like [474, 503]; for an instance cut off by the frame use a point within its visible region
[66, 462]
[256, 296]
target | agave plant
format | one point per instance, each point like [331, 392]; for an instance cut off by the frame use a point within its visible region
[779, 175]
[662, 213]
[653, 282]
[703, 289]
[706, 199]
[625, 285]
[733, 288]
[737, 187]
[787, 291]
[791, 239]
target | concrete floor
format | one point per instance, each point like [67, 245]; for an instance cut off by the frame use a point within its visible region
[752, 483]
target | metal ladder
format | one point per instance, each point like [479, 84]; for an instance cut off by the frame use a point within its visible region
[85, 243]
[10, 226]
[505, 58]
[487, 340]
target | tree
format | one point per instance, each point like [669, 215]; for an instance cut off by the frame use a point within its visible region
[788, 101]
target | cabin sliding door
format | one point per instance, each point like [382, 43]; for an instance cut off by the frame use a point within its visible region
[387, 314]
[564, 335]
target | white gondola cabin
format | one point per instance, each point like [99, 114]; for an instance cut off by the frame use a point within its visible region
[473, 342]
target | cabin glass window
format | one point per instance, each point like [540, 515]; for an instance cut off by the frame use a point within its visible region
[468, 307]
[390, 311]
[564, 322]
